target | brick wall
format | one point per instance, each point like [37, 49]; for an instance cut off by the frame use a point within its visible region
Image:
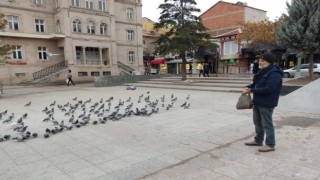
[223, 16]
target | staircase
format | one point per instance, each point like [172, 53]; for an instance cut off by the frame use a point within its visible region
[215, 84]
[126, 69]
[50, 71]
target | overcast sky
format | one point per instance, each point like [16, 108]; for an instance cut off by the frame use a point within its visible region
[274, 8]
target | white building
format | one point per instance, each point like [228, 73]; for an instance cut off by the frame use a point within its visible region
[91, 37]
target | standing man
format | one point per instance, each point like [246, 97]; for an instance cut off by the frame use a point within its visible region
[266, 89]
[201, 70]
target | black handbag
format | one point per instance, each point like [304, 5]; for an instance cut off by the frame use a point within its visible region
[244, 101]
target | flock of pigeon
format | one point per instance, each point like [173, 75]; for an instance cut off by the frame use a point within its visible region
[78, 113]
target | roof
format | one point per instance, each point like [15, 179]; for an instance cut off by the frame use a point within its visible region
[230, 33]
[239, 3]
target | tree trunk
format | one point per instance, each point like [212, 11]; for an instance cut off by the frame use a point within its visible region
[183, 67]
[311, 56]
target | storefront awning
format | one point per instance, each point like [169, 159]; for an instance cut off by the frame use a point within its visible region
[174, 61]
[230, 56]
[158, 61]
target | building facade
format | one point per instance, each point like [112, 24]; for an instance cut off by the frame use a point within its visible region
[91, 36]
[223, 21]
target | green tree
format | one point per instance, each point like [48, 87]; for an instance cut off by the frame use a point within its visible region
[301, 28]
[185, 33]
[4, 49]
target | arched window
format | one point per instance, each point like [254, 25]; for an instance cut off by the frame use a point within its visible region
[91, 27]
[103, 29]
[77, 25]
[58, 26]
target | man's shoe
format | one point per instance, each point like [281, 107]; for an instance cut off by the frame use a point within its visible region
[266, 149]
[252, 143]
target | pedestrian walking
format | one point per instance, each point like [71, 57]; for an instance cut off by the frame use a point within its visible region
[70, 78]
[266, 89]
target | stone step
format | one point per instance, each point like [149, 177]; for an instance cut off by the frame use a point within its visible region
[188, 87]
[195, 83]
[210, 81]
[214, 84]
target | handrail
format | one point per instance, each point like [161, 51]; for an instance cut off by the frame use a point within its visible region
[126, 68]
[49, 70]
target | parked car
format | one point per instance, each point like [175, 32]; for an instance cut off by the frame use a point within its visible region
[304, 71]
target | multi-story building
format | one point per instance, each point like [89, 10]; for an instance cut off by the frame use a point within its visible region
[223, 21]
[92, 37]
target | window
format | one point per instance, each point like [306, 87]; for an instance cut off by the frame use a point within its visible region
[37, 2]
[130, 13]
[106, 73]
[102, 5]
[17, 52]
[103, 29]
[75, 3]
[58, 26]
[77, 25]
[13, 22]
[82, 74]
[230, 47]
[91, 27]
[95, 73]
[89, 4]
[131, 56]
[42, 51]
[39, 25]
[130, 35]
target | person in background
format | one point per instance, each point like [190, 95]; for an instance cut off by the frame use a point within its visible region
[201, 70]
[266, 87]
[206, 70]
[70, 78]
[255, 67]
[190, 68]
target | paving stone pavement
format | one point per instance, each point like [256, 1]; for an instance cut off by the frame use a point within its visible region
[205, 141]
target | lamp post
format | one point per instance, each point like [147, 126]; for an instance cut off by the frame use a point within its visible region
[217, 59]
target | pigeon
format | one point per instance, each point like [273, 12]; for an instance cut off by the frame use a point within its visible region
[46, 135]
[25, 115]
[52, 104]
[74, 99]
[4, 112]
[6, 137]
[34, 135]
[23, 129]
[45, 109]
[188, 97]
[95, 122]
[19, 120]
[28, 104]
[187, 106]
[8, 120]
[0, 116]
[19, 139]
[72, 118]
[185, 103]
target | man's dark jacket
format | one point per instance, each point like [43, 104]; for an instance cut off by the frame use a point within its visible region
[266, 86]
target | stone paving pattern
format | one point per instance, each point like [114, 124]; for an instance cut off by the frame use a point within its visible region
[203, 142]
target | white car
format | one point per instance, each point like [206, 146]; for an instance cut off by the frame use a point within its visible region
[304, 71]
